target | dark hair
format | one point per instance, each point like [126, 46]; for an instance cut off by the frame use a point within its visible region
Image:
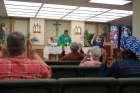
[128, 54]
[66, 31]
[15, 43]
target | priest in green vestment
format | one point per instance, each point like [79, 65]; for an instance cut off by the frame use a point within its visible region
[64, 39]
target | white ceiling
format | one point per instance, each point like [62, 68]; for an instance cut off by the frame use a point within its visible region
[64, 9]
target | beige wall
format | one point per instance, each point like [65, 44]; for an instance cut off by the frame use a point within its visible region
[21, 25]
[91, 27]
[15, 24]
[136, 18]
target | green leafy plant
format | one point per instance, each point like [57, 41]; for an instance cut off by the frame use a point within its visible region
[87, 38]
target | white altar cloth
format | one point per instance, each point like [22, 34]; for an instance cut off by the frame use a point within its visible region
[57, 50]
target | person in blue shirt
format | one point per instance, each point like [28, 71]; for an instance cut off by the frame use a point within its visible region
[97, 41]
[129, 66]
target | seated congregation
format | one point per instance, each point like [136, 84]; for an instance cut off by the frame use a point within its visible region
[69, 46]
[75, 72]
[94, 63]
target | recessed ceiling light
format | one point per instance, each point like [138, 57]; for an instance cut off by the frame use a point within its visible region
[93, 9]
[20, 3]
[80, 15]
[56, 6]
[64, 12]
[48, 17]
[89, 11]
[99, 20]
[121, 11]
[112, 2]
[76, 19]
[20, 15]
[56, 11]
[19, 8]
[108, 17]
[115, 14]
[85, 13]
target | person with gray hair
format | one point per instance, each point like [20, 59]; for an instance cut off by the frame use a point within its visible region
[74, 55]
[92, 59]
[80, 48]
[74, 46]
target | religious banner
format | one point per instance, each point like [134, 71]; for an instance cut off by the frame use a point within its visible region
[37, 31]
[77, 31]
[37, 27]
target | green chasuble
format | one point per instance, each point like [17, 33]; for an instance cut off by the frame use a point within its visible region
[64, 40]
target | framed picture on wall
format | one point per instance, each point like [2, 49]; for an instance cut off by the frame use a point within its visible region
[77, 30]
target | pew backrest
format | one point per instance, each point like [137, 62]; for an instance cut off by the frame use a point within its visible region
[28, 86]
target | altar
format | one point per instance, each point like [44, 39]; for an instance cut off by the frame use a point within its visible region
[52, 53]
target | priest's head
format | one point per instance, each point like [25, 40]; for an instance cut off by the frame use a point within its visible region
[16, 43]
[66, 32]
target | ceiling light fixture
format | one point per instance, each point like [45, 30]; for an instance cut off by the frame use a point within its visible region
[21, 9]
[63, 12]
[112, 2]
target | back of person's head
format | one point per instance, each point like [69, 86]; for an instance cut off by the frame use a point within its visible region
[96, 53]
[117, 54]
[80, 45]
[16, 43]
[128, 54]
[74, 47]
